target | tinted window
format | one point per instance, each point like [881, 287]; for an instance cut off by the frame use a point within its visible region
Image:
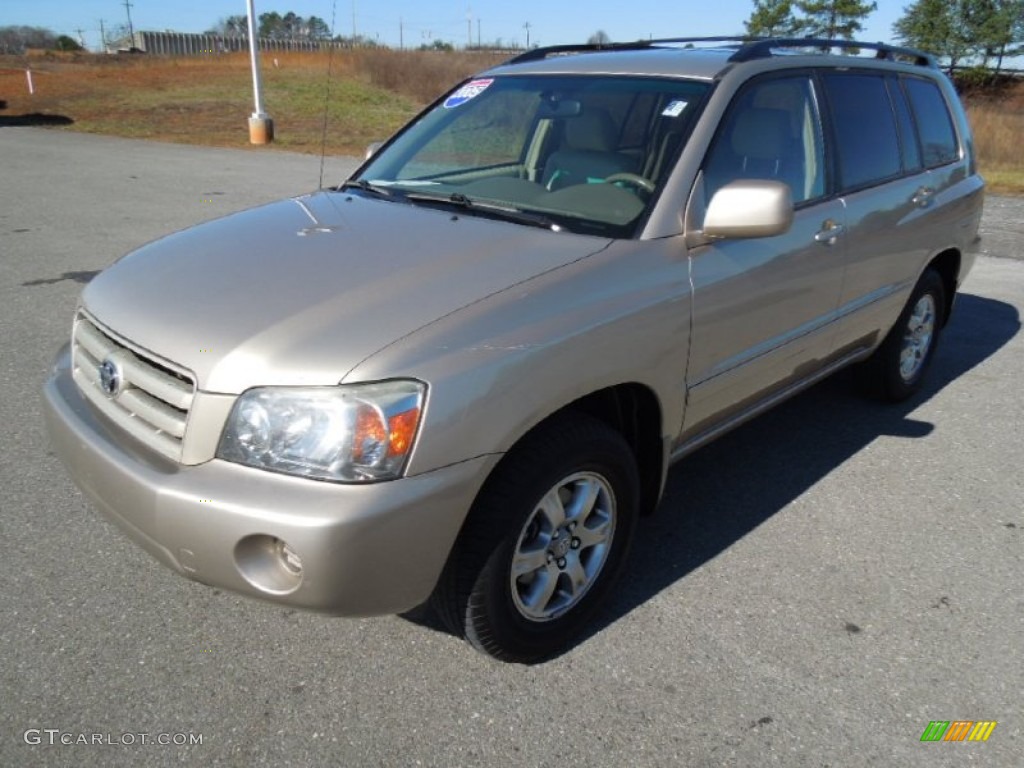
[908, 136]
[865, 129]
[938, 140]
[770, 132]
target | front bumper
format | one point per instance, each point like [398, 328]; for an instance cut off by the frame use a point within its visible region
[364, 549]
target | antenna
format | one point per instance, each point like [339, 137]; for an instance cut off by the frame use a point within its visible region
[327, 86]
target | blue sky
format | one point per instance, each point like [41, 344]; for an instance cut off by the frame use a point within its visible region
[550, 21]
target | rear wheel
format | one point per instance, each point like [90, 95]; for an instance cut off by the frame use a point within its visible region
[544, 542]
[897, 368]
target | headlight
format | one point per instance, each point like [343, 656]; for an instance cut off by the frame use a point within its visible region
[349, 433]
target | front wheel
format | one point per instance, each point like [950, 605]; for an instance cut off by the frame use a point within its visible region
[544, 542]
[897, 368]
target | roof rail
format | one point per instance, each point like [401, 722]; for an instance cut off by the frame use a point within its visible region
[763, 48]
[748, 48]
[538, 54]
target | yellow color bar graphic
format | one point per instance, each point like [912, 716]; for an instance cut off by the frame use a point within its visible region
[982, 730]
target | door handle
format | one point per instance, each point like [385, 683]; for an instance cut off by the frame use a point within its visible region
[829, 233]
[923, 197]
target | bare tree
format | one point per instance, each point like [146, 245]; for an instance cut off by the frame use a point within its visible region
[16, 39]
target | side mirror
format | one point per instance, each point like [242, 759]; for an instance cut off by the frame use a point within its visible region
[749, 208]
[372, 149]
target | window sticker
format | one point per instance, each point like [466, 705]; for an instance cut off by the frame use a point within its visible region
[674, 109]
[469, 91]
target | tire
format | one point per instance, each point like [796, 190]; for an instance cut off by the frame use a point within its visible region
[523, 519]
[898, 367]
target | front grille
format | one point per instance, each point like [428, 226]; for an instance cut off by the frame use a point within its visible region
[151, 402]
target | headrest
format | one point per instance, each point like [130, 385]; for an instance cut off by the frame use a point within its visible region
[593, 130]
[760, 133]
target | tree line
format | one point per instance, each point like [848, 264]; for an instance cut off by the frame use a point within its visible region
[15, 39]
[976, 32]
[275, 26]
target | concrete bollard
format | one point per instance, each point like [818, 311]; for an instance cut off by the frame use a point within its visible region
[261, 130]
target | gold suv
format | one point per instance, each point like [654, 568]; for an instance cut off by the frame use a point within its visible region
[461, 375]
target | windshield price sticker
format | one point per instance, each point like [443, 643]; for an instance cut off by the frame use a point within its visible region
[469, 91]
[675, 109]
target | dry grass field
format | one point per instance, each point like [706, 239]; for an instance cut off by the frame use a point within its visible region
[998, 123]
[206, 100]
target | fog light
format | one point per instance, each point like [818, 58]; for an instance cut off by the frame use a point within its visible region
[269, 564]
[291, 561]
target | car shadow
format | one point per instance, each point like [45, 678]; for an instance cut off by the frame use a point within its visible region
[34, 119]
[719, 494]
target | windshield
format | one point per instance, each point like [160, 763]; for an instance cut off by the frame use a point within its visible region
[586, 153]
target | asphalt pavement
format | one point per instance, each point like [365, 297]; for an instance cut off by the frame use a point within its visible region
[817, 586]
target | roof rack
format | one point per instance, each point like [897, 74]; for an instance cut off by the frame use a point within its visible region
[538, 54]
[758, 48]
[747, 48]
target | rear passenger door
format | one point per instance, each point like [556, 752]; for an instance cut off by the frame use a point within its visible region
[763, 308]
[883, 178]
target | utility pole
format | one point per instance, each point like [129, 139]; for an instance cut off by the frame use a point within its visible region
[526, 26]
[401, 34]
[354, 35]
[478, 43]
[103, 37]
[131, 30]
[469, 28]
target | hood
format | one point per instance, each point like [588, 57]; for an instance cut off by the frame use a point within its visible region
[300, 291]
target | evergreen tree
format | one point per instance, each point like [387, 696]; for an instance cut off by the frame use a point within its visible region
[65, 43]
[318, 28]
[832, 19]
[994, 28]
[961, 30]
[771, 18]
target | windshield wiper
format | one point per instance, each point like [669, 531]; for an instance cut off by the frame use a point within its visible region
[504, 212]
[365, 186]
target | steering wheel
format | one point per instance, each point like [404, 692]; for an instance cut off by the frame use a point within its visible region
[631, 178]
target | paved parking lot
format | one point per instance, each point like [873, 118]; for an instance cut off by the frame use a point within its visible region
[816, 588]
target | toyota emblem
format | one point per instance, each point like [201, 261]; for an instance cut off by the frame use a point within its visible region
[111, 379]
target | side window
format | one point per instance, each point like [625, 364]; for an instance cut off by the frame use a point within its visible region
[909, 147]
[864, 127]
[938, 139]
[771, 131]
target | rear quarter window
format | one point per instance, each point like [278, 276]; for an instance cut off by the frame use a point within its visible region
[864, 127]
[934, 123]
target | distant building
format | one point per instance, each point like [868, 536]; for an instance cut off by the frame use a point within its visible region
[188, 44]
